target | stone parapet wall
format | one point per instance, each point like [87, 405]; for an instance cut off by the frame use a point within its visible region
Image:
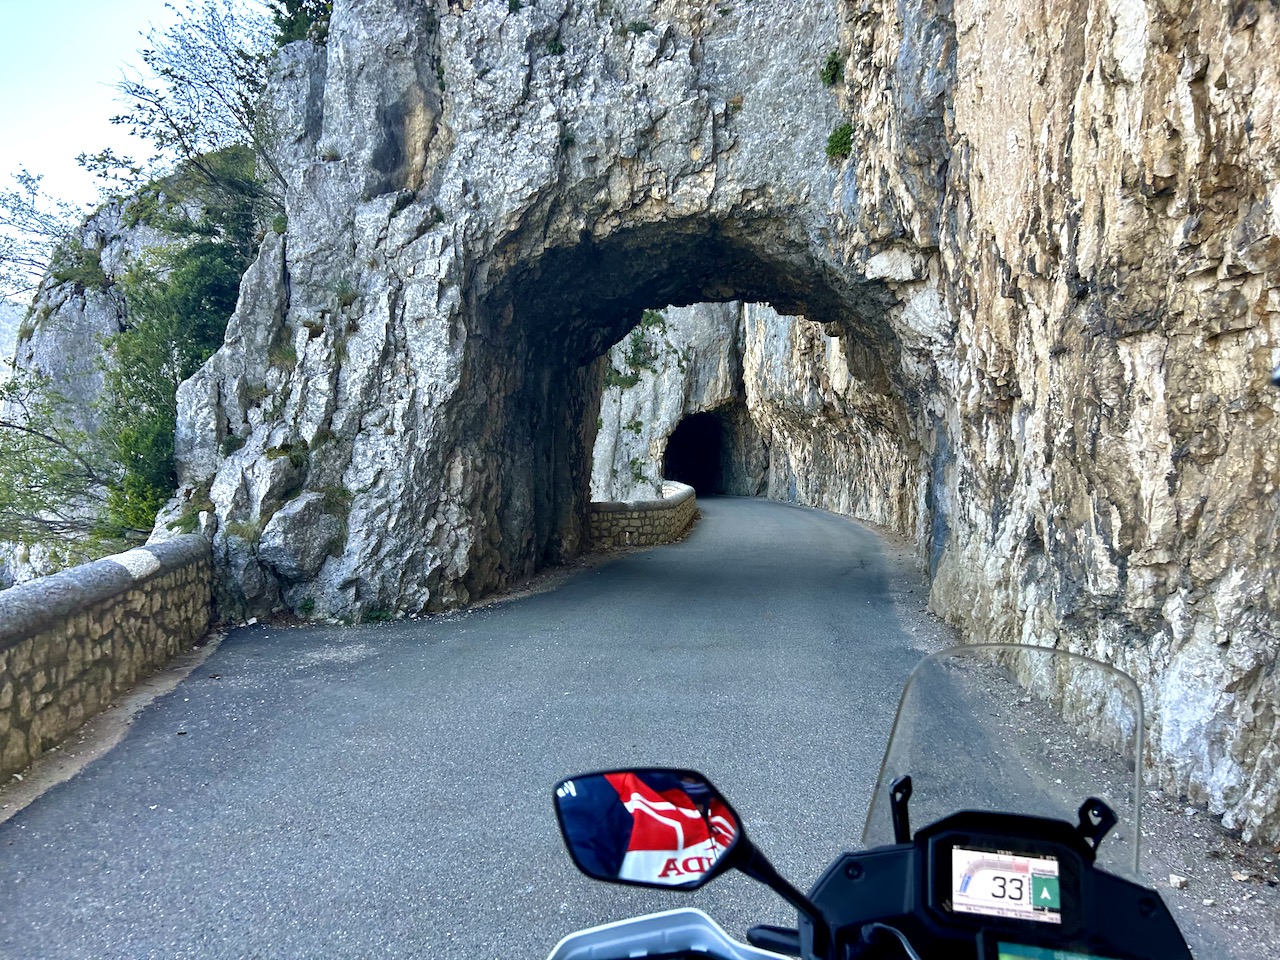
[644, 523]
[72, 642]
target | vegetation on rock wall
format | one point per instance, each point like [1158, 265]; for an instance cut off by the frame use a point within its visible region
[79, 493]
[301, 20]
[840, 143]
[178, 314]
[48, 469]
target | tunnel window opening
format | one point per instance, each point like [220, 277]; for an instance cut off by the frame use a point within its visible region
[695, 454]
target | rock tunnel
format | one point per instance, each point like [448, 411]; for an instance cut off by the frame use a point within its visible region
[561, 312]
[694, 454]
[1016, 309]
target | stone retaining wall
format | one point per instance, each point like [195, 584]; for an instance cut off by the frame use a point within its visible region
[72, 642]
[644, 523]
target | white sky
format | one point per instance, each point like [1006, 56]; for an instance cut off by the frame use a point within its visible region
[59, 60]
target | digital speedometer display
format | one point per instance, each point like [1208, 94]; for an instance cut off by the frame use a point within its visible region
[996, 883]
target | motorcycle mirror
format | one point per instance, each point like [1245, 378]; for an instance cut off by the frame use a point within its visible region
[650, 827]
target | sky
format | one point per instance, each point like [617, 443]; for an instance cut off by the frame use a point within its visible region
[59, 60]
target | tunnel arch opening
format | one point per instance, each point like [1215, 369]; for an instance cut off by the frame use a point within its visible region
[553, 307]
[576, 299]
[695, 454]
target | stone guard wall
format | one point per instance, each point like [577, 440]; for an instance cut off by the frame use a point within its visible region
[71, 642]
[644, 523]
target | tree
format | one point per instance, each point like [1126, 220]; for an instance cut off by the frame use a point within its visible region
[178, 309]
[300, 19]
[212, 185]
[50, 472]
[201, 89]
[32, 226]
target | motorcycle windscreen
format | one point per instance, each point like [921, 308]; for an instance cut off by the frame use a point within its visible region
[1016, 729]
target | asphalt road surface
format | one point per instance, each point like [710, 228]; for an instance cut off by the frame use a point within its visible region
[385, 790]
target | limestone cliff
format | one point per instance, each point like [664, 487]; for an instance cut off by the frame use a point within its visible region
[1039, 283]
[791, 413]
[79, 305]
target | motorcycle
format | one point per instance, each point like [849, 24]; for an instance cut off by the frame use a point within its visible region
[1025, 764]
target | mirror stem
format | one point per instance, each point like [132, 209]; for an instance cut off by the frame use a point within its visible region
[757, 866]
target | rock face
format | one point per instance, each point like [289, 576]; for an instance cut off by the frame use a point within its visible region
[1039, 289]
[786, 410]
[78, 306]
[681, 361]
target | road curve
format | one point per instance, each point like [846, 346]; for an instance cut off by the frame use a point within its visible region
[385, 790]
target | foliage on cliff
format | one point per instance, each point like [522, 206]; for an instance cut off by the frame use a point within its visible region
[300, 20]
[210, 189]
[179, 302]
[48, 469]
[32, 224]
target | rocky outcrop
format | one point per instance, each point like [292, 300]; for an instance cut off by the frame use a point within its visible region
[474, 221]
[793, 414]
[1111, 469]
[679, 361]
[1039, 283]
[79, 305]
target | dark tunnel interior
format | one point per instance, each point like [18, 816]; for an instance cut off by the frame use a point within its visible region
[695, 454]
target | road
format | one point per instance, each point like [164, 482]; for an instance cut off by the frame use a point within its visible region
[384, 790]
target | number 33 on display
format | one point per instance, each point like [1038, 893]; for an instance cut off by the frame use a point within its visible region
[1008, 888]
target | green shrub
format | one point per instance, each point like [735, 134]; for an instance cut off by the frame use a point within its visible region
[832, 71]
[283, 355]
[346, 292]
[250, 531]
[230, 444]
[639, 26]
[307, 606]
[188, 521]
[199, 502]
[555, 47]
[296, 452]
[300, 20]
[335, 501]
[513, 6]
[616, 378]
[640, 353]
[178, 312]
[840, 143]
[280, 223]
[76, 264]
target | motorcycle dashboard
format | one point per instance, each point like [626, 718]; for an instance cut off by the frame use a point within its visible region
[1028, 880]
[987, 881]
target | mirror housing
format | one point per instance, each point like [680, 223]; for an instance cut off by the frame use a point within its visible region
[651, 827]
